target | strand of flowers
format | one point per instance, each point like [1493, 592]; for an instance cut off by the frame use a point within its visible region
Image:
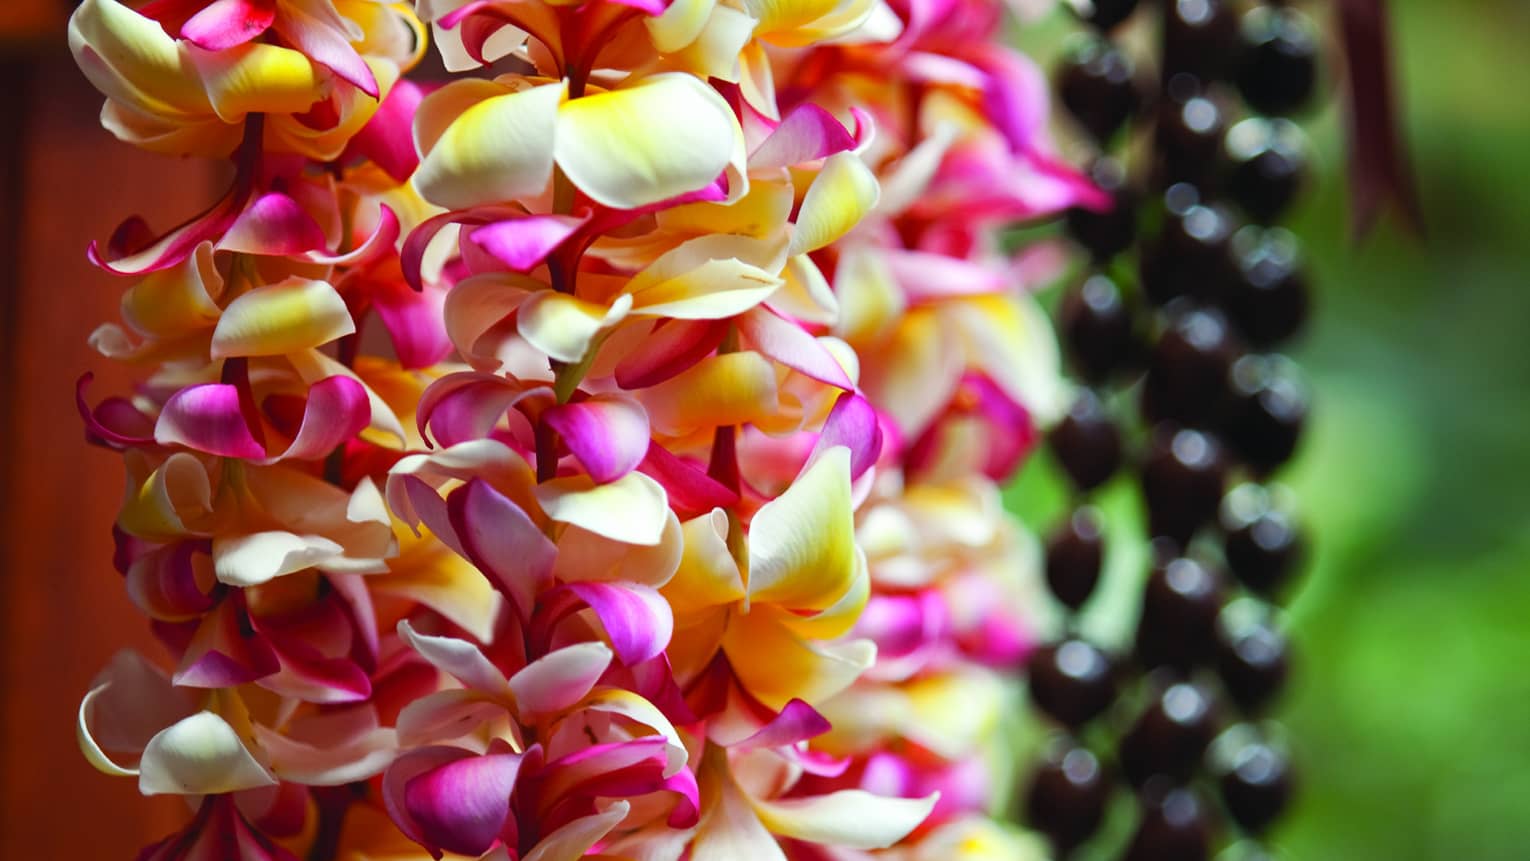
[657, 515]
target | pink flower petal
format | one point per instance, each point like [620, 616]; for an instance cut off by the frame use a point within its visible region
[222, 654]
[226, 23]
[464, 406]
[524, 243]
[134, 250]
[560, 679]
[388, 138]
[854, 424]
[787, 343]
[797, 721]
[807, 133]
[337, 409]
[114, 422]
[163, 582]
[925, 275]
[378, 244]
[637, 619]
[502, 541]
[412, 256]
[273, 225]
[463, 805]
[608, 434]
[690, 490]
[614, 770]
[414, 321]
[672, 347]
[326, 44]
[218, 831]
[207, 418]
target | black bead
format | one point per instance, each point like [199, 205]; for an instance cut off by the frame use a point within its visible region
[1072, 681]
[1277, 66]
[1191, 254]
[1087, 442]
[1182, 481]
[1250, 655]
[1263, 544]
[1097, 329]
[1257, 787]
[1187, 372]
[1200, 38]
[1268, 297]
[1104, 15]
[1189, 131]
[1075, 552]
[1267, 161]
[1097, 83]
[1174, 826]
[1171, 735]
[1067, 796]
[1106, 234]
[1265, 411]
[1180, 603]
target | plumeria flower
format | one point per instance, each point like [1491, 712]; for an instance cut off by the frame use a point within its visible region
[773, 596]
[709, 39]
[190, 92]
[175, 740]
[487, 142]
[751, 809]
[593, 740]
[495, 514]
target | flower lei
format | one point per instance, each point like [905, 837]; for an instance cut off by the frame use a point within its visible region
[596, 455]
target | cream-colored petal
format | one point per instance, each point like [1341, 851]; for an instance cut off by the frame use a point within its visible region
[199, 755]
[802, 543]
[257, 78]
[850, 818]
[563, 326]
[666, 135]
[295, 314]
[249, 560]
[633, 509]
[499, 149]
[842, 193]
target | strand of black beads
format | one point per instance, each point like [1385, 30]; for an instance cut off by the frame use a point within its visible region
[1073, 682]
[1214, 411]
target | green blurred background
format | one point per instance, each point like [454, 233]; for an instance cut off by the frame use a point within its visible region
[1409, 708]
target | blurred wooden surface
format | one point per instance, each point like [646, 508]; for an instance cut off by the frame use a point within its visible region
[63, 182]
[30, 20]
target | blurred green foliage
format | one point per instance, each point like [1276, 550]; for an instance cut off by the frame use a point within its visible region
[1410, 706]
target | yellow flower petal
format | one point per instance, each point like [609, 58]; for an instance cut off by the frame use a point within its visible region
[869, 299]
[563, 326]
[851, 818]
[802, 543]
[667, 135]
[177, 300]
[495, 148]
[157, 508]
[730, 389]
[297, 314]
[130, 59]
[257, 78]
[776, 666]
[844, 191]
[633, 509]
[707, 576]
[681, 23]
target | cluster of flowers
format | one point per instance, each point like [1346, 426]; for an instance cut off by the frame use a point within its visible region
[597, 458]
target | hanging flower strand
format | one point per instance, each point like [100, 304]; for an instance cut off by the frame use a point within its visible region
[597, 459]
